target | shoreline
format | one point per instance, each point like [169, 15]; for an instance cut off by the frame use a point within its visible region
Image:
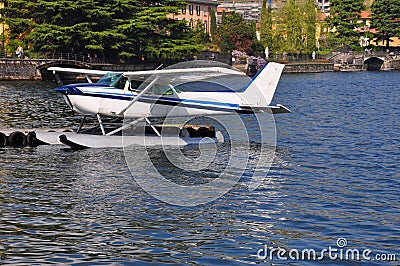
[26, 70]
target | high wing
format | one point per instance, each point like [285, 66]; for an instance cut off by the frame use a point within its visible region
[87, 72]
[205, 71]
[167, 75]
[79, 71]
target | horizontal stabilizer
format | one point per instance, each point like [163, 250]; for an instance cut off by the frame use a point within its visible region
[278, 109]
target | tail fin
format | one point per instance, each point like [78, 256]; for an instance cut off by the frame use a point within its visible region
[261, 90]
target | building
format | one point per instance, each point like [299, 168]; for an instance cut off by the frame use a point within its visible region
[196, 11]
[221, 11]
[249, 10]
[365, 21]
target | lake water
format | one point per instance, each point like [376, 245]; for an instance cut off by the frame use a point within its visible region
[333, 186]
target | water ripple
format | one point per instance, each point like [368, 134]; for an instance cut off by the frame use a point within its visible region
[335, 174]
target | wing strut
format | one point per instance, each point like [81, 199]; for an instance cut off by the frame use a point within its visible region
[139, 96]
[88, 78]
[58, 79]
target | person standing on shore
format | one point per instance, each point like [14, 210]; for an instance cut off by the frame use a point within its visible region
[20, 52]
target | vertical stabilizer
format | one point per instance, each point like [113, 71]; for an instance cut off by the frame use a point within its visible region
[261, 90]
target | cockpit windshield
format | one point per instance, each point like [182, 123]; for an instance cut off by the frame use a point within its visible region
[110, 79]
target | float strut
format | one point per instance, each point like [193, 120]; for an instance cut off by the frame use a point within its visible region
[101, 124]
[81, 124]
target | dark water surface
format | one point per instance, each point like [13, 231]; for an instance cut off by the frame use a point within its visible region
[336, 175]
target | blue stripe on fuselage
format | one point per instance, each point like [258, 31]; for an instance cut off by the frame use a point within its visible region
[197, 104]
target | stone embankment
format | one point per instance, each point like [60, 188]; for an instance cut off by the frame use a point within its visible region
[312, 67]
[28, 69]
[303, 67]
[19, 70]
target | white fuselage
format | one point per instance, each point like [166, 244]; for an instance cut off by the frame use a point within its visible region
[112, 102]
[161, 99]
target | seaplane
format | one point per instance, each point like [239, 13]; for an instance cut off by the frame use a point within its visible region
[144, 98]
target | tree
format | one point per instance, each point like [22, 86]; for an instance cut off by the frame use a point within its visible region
[266, 29]
[62, 26]
[199, 33]
[386, 19]
[235, 33]
[213, 26]
[344, 19]
[309, 28]
[18, 26]
[293, 26]
[112, 28]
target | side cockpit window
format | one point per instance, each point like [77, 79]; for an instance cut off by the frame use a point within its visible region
[120, 83]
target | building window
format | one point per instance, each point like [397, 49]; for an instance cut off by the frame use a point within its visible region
[191, 23]
[198, 10]
[184, 11]
[191, 9]
[205, 26]
[205, 11]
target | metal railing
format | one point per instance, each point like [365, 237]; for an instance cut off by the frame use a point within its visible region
[76, 58]
[61, 57]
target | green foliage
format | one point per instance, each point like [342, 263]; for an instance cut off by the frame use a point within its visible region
[111, 28]
[235, 33]
[266, 27]
[213, 26]
[291, 29]
[309, 26]
[13, 45]
[200, 35]
[328, 41]
[344, 18]
[386, 19]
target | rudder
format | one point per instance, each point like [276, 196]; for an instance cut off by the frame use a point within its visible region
[262, 89]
